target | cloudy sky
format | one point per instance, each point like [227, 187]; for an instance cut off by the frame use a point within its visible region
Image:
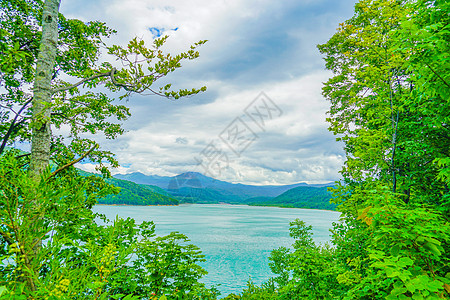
[262, 118]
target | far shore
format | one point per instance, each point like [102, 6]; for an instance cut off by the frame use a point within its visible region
[220, 203]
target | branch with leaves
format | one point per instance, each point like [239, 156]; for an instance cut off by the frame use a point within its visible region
[72, 162]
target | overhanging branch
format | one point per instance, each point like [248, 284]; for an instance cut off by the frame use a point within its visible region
[127, 87]
[72, 162]
[13, 126]
[439, 76]
[110, 74]
[65, 88]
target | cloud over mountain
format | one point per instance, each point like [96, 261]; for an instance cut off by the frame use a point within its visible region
[253, 46]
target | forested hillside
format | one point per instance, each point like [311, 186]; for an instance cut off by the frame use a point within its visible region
[299, 197]
[132, 193]
[137, 194]
[193, 187]
[197, 180]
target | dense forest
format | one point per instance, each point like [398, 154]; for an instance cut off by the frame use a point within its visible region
[389, 101]
[136, 194]
[299, 197]
[130, 193]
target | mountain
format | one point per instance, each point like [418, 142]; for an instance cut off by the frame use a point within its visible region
[187, 184]
[192, 187]
[299, 197]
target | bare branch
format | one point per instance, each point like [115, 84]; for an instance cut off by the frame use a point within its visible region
[158, 93]
[13, 126]
[65, 88]
[114, 81]
[127, 87]
[9, 108]
[69, 119]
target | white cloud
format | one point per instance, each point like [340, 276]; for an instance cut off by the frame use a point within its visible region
[254, 46]
[273, 157]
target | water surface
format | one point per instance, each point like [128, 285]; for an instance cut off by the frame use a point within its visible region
[236, 239]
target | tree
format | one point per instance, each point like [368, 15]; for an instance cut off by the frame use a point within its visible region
[393, 123]
[51, 245]
[77, 55]
[306, 272]
[389, 97]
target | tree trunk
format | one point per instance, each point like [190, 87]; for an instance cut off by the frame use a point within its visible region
[41, 132]
[41, 136]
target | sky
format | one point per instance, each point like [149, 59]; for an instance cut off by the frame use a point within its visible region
[262, 118]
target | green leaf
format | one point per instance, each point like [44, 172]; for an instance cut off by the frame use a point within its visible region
[395, 250]
[3, 289]
[432, 248]
[405, 261]
[417, 296]
[410, 286]
[398, 291]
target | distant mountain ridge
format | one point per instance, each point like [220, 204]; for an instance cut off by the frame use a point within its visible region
[197, 188]
[192, 187]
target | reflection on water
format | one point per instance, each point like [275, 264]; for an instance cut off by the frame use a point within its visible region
[235, 239]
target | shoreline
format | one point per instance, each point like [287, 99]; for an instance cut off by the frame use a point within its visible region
[137, 204]
[223, 203]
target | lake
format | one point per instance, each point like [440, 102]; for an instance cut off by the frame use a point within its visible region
[236, 239]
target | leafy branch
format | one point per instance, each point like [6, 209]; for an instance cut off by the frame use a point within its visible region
[72, 162]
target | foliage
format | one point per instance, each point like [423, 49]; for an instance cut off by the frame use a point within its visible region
[389, 98]
[393, 122]
[75, 106]
[253, 292]
[389, 105]
[167, 266]
[77, 257]
[307, 271]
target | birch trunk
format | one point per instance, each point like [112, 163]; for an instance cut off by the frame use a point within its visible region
[41, 136]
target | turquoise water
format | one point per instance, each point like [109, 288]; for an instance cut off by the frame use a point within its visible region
[236, 239]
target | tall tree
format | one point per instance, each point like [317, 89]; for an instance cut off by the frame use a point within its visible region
[38, 202]
[394, 130]
[77, 58]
